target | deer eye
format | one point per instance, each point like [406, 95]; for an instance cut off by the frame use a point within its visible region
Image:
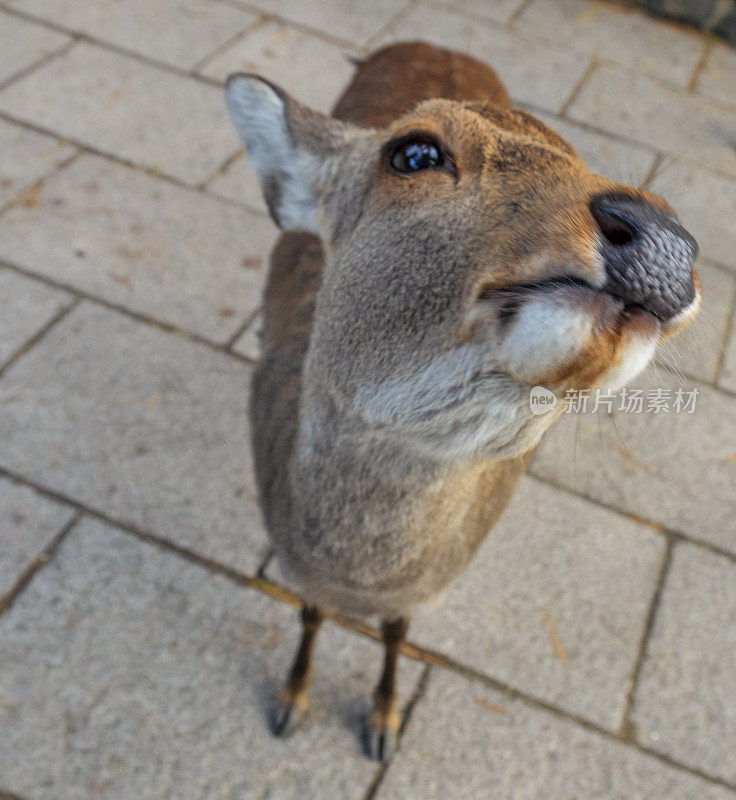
[414, 155]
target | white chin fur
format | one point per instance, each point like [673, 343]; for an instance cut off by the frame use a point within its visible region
[544, 335]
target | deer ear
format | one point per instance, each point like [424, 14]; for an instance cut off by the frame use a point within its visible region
[288, 145]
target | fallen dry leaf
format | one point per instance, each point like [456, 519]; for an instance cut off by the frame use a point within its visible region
[489, 706]
[31, 197]
[549, 625]
[123, 280]
[251, 262]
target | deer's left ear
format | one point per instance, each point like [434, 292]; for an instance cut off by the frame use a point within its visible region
[289, 145]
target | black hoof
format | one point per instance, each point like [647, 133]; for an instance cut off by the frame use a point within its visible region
[286, 719]
[379, 741]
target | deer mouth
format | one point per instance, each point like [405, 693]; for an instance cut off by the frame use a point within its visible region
[614, 308]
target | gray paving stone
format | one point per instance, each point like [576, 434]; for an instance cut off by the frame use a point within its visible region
[677, 469]
[619, 34]
[533, 72]
[139, 424]
[26, 156]
[25, 307]
[631, 104]
[171, 253]
[343, 19]
[127, 672]
[466, 741]
[239, 183]
[180, 33]
[728, 374]
[699, 350]
[706, 203]
[685, 704]
[28, 525]
[497, 11]
[25, 43]
[617, 160]
[117, 104]
[554, 603]
[248, 343]
[717, 78]
[290, 58]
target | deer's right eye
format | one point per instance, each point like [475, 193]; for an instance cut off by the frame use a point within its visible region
[415, 155]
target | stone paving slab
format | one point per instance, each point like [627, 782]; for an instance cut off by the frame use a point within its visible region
[639, 41]
[248, 344]
[554, 603]
[154, 426]
[117, 104]
[290, 58]
[26, 306]
[26, 156]
[342, 19]
[617, 160]
[685, 704]
[497, 11]
[675, 469]
[240, 184]
[158, 249]
[534, 72]
[128, 672]
[180, 33]
[717, 78]
[28, 525]
[706, 204]
[25, 43]
[728, 375]
[699, 350]
[467, 741]
[631, 104]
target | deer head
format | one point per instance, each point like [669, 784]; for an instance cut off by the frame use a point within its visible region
[470, 255]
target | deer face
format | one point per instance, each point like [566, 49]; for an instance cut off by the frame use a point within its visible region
[470, 255]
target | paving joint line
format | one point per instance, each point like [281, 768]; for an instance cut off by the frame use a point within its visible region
[627, 729]
[5, 795]
[38, 563]
[32, 341]
[40, 62]
[729, 333]
[653, 170]
[165, 327]
[151, 172]
[512, 20]
[387, 28]
[416, 697]
[19, 195]
[81, 36]
[578, 88]
[692, 84]
[241, 330]
[407, 649]
[223, 47]
[269, 16]
[657, 527]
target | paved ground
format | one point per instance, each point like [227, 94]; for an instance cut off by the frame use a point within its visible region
[589, 650]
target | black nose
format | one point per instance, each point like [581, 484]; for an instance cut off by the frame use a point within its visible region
[647, 254]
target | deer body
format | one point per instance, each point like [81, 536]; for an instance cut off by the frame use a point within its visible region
[443, 253]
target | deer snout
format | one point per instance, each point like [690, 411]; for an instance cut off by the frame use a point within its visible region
[648, 255]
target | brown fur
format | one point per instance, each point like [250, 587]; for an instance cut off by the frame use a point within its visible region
[534, 192]
[390, 410]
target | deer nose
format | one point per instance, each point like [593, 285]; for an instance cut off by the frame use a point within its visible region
[648, 255]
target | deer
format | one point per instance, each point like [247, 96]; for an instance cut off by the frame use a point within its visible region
[442, 253]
